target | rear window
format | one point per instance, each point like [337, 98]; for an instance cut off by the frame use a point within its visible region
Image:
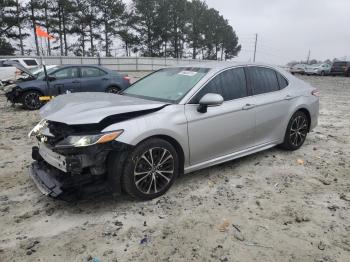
[30, 62]
[91, 72]
[263, 80]
[281, 81]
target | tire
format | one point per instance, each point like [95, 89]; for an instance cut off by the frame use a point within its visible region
[113, 90]
[145, 181]
[296, 132]
[323, 73]
[30, 100]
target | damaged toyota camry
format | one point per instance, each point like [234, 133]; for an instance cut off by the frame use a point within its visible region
[173, 121]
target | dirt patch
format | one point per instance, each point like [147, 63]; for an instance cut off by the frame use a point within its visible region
[268, 206]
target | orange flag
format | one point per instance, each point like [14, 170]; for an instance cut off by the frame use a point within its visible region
[41, 33]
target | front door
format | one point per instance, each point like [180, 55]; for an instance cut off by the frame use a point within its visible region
[66, 80]
[223, 129]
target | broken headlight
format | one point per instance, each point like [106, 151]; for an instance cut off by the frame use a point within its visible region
[89, 140]
[9, 88]
[38, 128]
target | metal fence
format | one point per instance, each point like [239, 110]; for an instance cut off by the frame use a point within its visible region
[122, 64]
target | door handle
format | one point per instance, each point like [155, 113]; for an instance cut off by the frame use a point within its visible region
[76, 82]
[288, 97]
[105, 79]
[248, 106]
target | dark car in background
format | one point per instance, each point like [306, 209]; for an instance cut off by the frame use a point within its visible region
[62, 80]
[340, 68]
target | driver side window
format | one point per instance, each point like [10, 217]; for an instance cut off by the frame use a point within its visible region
[230, 84]
[66, 73]
[211, 87]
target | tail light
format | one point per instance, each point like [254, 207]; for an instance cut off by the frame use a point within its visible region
[315, 92]
[127, 78]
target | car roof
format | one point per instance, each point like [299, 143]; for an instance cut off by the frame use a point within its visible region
[82, 65]
[219, 65]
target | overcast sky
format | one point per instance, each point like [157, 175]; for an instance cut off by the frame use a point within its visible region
[288, 29]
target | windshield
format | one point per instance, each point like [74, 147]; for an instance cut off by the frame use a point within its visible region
[34, 69]
[168, 84]
[41, 74]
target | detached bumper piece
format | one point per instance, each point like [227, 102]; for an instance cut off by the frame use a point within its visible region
[45, 182]
[54, 183]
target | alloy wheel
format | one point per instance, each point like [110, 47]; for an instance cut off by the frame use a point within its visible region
[32, 101]
[154, 170]
[298, 130]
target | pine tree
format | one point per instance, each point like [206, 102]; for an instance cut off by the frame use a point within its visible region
[111, 12]
[12, 16]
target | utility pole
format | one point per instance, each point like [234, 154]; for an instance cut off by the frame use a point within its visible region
[308, 57]
[256, 42]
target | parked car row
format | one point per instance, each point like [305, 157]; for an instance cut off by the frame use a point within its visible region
[341, 68]
[27, 90]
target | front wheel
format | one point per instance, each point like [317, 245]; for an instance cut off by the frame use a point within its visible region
[31, 101]
[151, 169]
[323, 73]
[296, 132]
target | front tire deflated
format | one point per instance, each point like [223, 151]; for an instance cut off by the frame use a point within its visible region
[150, 169]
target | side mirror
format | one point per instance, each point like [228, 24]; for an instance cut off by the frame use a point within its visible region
[50, 78]
[209, 99]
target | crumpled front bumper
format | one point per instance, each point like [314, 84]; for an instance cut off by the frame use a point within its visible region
[57, 184]
[44, 180]
[14, 96]
[76, 179]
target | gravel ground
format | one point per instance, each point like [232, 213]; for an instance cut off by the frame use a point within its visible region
[270, 206]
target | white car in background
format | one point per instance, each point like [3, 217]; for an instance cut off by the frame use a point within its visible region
[10, 72]
[298, 69]
[321, 69]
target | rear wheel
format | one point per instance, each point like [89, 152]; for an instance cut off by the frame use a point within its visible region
[296, 132]
[151, 169]
[31, 101]
[113, 90]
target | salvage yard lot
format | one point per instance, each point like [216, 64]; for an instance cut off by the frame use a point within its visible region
[270, 206]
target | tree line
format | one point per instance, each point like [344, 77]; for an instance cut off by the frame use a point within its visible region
[155, 28]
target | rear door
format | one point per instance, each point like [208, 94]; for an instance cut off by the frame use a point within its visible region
[223, 129]
[93, 79]
[273, 100]
[66, 80]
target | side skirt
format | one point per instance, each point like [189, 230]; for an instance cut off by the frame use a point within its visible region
[232, 156]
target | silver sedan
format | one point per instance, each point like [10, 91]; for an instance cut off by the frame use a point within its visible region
[174, 121]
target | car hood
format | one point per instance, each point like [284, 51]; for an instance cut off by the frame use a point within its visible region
[92, 108]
